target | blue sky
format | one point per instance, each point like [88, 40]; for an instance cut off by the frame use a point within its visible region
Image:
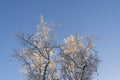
[88, 17]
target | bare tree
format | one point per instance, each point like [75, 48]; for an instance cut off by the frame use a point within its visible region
[79, 61]
[43, 59]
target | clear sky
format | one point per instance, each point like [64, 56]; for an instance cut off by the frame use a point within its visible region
[88, 17]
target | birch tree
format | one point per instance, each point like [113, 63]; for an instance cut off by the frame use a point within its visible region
[43, 59]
